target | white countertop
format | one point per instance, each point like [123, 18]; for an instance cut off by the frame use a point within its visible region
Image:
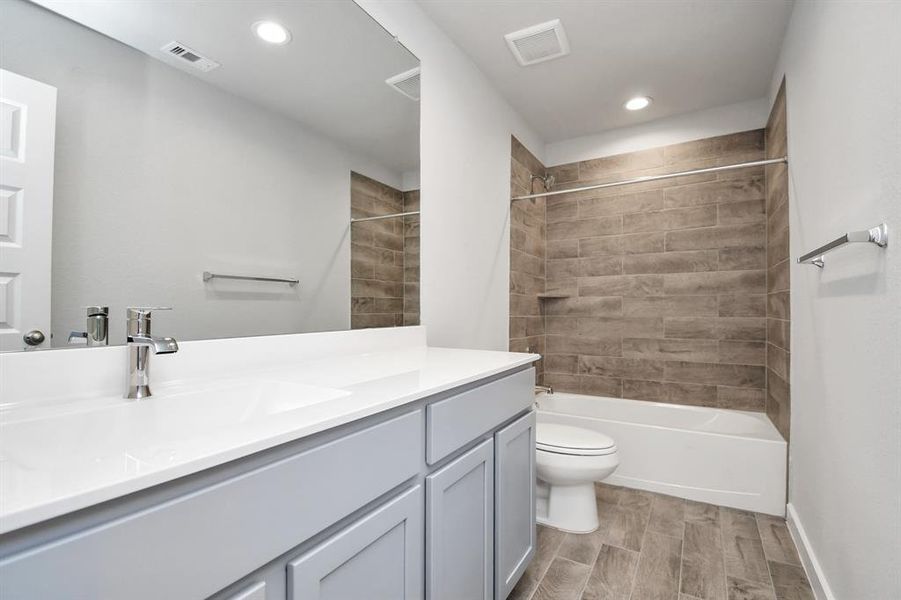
[58, 456]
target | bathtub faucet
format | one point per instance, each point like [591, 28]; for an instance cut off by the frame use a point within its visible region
[544, 388]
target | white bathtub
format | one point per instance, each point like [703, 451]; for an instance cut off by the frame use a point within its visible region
[728, 457]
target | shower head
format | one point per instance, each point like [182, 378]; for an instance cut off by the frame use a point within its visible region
[547, 180]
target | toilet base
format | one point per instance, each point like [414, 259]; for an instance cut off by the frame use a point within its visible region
[570, 508]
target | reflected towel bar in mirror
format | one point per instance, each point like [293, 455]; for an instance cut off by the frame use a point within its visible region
[875, 235]
[208, 275]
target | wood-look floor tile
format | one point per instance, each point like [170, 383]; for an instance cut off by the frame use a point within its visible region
[549, 541]
[613, 574]
[703, 573]
[790, 582]
[626, 527]
[583, 548]
[744, 558]
[701, 513]
[777, 542]
[564, 580]
[657, 577]
[636, 499]
[739, 589]
[721, 555]
[607, 494]
[667, 516]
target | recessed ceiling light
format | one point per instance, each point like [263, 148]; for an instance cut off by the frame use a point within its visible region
[271, 32]
[638, 103]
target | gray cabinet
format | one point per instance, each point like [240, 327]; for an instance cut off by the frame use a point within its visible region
[254, 591]
[379, 557]
[460, 527]
[223, 531]
[432, 500]
[514, 498]
[456, 421]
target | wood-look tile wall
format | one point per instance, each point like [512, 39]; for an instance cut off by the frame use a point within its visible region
[378, 276]
[411, 259]
[528, 240]
[666, 281]
[778, 322]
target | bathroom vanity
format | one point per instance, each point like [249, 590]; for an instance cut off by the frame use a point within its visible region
[409, 474]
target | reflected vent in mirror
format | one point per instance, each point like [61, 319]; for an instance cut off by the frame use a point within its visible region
[407, 83]
[538, 43]
[192, 57]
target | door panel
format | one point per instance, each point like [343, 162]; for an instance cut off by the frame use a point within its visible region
[514, 478]
[378, 558]
[27, 123]
[460, 528]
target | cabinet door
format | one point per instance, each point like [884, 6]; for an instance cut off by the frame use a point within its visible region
[460, 527]
[380, 557]
[514, 505]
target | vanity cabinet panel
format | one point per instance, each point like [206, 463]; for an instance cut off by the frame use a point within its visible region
[456, 421]
[514, 501]
[460, 527]
[380, 557]
[198, 543]
[256, 591]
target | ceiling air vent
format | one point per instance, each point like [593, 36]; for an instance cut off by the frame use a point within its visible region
[539, 43]
[192, 57]
[407, 83]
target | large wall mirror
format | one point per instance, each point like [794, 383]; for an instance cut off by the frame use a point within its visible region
[252, 164]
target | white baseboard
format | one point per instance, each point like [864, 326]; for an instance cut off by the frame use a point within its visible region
[815, 575]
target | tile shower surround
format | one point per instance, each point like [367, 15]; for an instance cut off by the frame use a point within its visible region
[665, 282]
[778, 317]
[411, 259]
[384, 256]
[528, 248]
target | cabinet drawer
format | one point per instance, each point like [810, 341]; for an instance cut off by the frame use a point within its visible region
[198, 543]
[453, 422]
[380, 557]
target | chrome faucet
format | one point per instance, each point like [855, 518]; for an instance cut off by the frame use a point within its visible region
[96, 331]
[140, 345]
[544, 388]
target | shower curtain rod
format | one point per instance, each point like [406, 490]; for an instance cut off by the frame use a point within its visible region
[646, 178]
[411, 213]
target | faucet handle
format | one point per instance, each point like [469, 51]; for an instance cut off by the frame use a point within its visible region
[96, 310]
[143, 312]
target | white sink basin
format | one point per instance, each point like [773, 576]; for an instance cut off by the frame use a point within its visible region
[153, 431]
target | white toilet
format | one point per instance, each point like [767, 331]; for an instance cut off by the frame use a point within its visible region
[569, 461]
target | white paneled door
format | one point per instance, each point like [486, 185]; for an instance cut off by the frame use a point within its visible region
[27, 127]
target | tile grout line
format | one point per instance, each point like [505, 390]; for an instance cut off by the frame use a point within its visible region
[769, 571]
[644, 536]
[587, 579]
[722, 519]
[681, 554]
[548, 567]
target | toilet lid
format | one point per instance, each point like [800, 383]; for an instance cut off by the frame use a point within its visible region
[566, 439]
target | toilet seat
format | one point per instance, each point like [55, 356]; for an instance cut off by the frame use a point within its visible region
[572, 441]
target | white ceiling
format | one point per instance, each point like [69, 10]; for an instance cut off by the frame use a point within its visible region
[331, 76]
[687, 55]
